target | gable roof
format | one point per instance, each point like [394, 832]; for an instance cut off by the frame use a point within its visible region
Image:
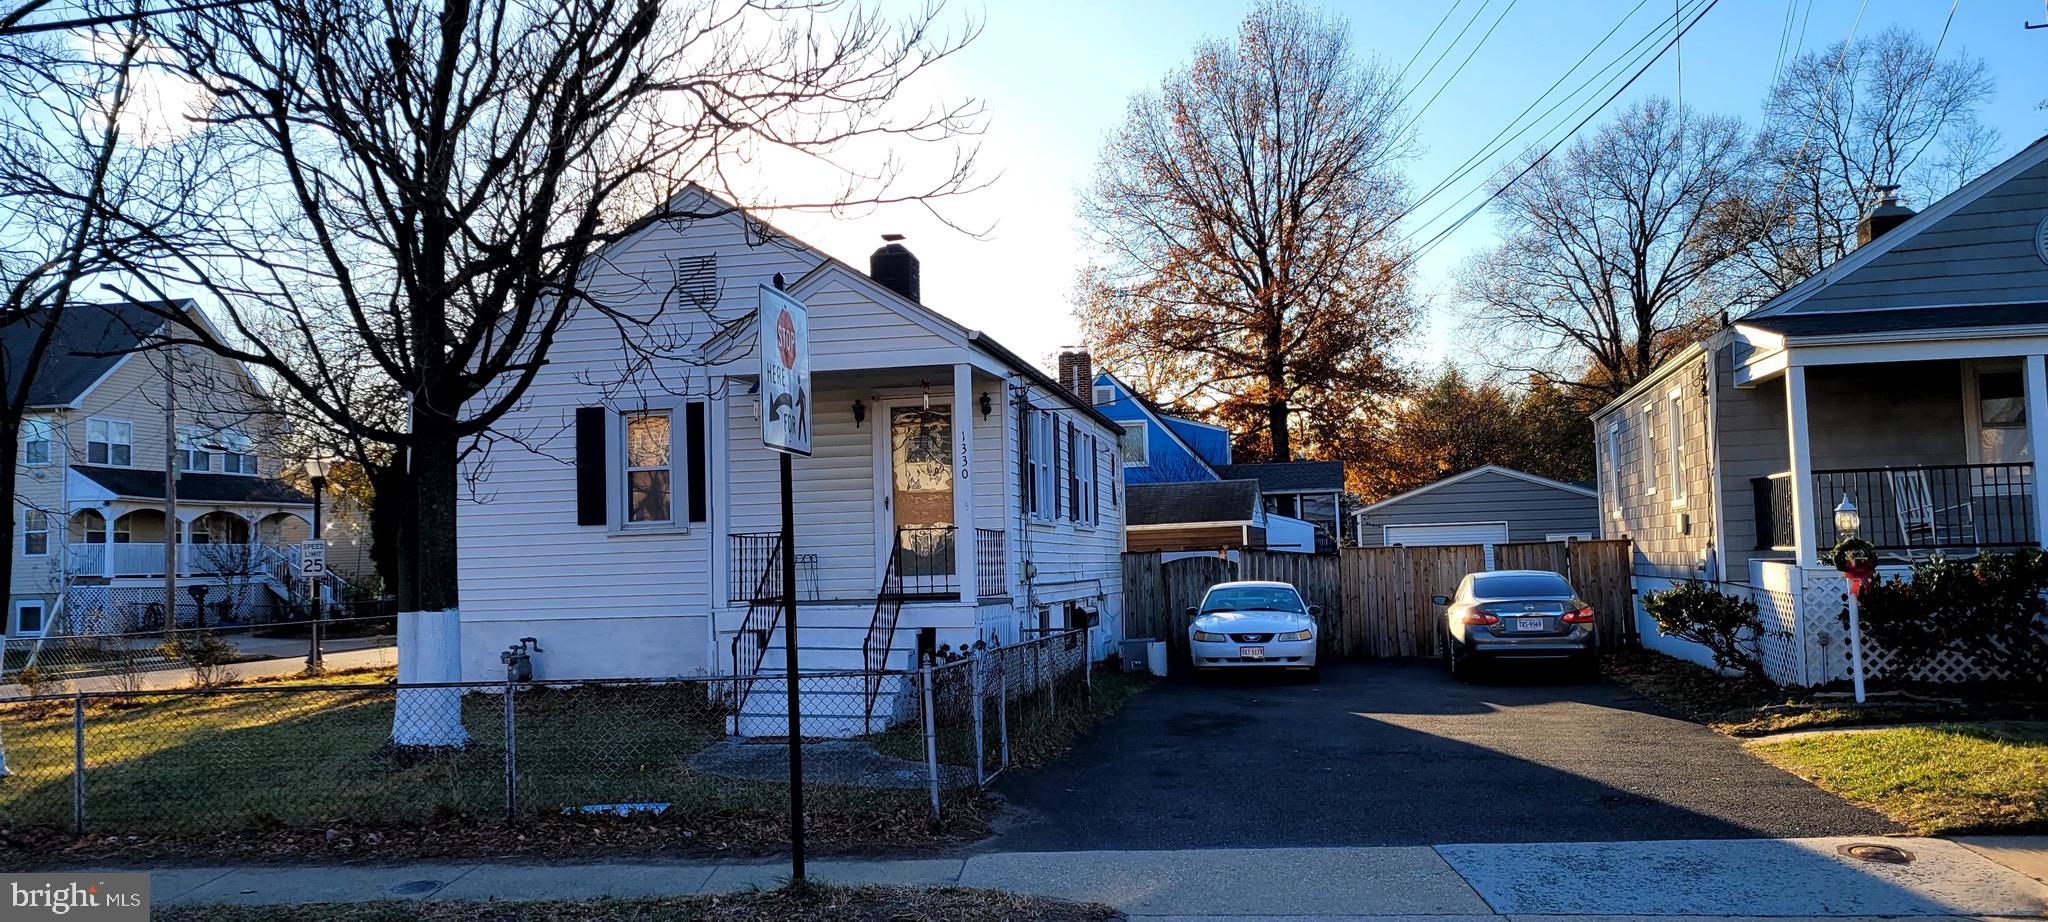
[831, 268]
[2034, 155]
[1187, 503]
[1158, 417]
[90, 341]
[1289, 476]
[1482, 469]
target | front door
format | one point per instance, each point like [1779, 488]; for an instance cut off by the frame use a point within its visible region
[918, 503]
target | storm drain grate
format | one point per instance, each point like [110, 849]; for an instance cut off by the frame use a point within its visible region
[1883, 854]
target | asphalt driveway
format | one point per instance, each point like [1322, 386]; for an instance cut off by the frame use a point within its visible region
[1396, 753]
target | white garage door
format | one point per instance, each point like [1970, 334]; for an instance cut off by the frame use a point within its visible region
[1484, 533]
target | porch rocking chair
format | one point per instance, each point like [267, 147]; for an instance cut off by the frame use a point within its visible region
[1924, 525]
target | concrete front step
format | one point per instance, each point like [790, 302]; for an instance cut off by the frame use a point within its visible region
[835, 706]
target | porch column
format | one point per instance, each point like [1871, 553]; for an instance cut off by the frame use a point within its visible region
[964, 536]
[2037, 441]
[1804, 553]
[107, 556]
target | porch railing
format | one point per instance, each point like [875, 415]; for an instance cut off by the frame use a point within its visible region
[753, 553]
[194, 559]
[991, 578]
[1773, 503]
[1957, 507]
[750, 642]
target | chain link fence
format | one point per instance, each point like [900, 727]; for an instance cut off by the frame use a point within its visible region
[142, 660]
[180, 762]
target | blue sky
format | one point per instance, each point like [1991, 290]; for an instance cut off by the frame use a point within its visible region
[1056, 75]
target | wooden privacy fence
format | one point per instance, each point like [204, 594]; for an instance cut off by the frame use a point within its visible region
[1376, 601]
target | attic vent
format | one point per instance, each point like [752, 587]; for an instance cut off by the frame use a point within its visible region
[696, 280]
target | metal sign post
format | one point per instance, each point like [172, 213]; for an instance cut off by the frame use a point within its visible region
[312, 566]
[785, 346]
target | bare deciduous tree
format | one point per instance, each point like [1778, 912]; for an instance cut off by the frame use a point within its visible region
[427, 184]
[1603, 258]
[1241, 220]
[1840, 126]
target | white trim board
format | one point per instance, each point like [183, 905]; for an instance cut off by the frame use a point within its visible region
[1483, 469]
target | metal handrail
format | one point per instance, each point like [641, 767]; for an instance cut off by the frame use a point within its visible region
[874, 648]
[750, 642]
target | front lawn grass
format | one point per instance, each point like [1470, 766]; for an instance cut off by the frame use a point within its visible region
[279, 769]
[1935, 780]
[812, 903]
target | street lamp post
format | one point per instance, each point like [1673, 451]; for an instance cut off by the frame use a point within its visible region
[1855, 570]
[317, 468]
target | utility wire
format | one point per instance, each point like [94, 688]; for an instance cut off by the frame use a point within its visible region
[1461, 64]
[1636, 52]
[1419, 49]
[1481, 11]
[1433, 241]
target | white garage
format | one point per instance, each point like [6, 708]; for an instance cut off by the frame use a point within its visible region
[1482, 533]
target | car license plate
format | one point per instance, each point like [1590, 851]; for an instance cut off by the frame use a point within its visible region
[1251, 652]
[1529, 624]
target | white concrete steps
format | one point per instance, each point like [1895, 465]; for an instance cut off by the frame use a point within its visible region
[833, 707]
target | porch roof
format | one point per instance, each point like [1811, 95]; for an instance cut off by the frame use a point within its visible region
[199, 488]
[1901, 320]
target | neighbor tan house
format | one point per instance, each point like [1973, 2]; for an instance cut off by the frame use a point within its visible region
[90, 528]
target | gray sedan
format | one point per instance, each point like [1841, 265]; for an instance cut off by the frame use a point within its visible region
[1516, 614]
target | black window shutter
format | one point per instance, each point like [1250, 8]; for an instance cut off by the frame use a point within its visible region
[591, 508]
[1025, 482]
[700, 461]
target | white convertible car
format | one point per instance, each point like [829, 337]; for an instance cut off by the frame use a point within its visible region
[1253, 625]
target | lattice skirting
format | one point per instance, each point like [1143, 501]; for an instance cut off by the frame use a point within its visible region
[124, 609]
[1824, 599]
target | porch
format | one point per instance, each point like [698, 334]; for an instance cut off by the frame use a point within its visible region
[1933, 455]
[128, 541]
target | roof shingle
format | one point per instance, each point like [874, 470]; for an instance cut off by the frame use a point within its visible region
[1184, 503]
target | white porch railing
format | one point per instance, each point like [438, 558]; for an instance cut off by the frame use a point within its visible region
[1805, 641]
[147, 559]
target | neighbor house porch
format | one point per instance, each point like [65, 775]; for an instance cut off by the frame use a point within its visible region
[1932, 436]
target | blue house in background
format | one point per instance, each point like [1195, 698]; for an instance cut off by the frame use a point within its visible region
[1159, 448]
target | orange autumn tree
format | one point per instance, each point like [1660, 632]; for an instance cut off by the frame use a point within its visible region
[1240, 221]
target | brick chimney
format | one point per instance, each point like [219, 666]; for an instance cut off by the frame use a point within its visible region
[1887, 215]
[895, 267]
[1077, 373]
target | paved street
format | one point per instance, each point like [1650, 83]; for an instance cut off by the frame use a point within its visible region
[1395, 753]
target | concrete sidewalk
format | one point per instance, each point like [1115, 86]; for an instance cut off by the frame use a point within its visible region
[289, 659]
[1803, 878]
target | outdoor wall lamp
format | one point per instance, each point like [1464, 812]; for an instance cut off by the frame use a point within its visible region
[860, 412]
[1847, 520]
[987, 405]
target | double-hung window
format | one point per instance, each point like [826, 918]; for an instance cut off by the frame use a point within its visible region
[1070, 460]
[1044, 451]
[649, 473]
[192, 454]
[36, 440]
[1649, 448]
[35, 533]
[1613, 469]
[110, 442]
[1674, 442]
[237, 454]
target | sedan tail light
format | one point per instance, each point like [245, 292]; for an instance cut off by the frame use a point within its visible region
[1579, 616]
[1480, 616]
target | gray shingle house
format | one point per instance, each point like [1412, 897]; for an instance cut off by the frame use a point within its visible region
[1487, 505]
[1909, 380]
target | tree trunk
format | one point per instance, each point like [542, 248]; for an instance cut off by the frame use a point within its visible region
[429, 617]
[1276, 391]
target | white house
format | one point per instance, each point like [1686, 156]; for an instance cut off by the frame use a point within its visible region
[1909, 379]
[955, 493]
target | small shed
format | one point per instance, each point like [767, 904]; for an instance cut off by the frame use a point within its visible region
[1212, 515]
[1487, 505]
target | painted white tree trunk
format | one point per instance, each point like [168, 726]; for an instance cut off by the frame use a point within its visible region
[3, 759]
[429, 650]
